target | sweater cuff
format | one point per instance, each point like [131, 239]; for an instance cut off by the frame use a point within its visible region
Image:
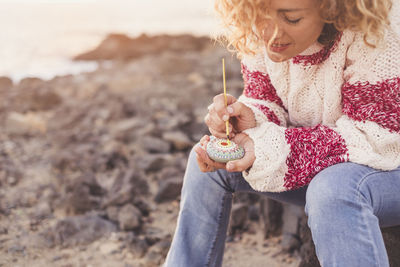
[265, 111]
[271, 151]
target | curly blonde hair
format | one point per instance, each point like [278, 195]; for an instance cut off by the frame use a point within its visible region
[243, 21]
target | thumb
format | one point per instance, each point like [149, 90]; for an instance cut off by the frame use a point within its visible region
[242, 164]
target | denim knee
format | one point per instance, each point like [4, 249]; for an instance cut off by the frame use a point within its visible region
[331, 188]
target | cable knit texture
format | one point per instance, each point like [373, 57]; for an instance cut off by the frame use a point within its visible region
[325, 106]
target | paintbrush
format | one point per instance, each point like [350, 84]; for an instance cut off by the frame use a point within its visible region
[226, 99]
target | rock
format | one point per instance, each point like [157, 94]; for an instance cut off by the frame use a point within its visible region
[180, 65]
[139, 246]
[126, 187]
[45, 100]
[169, 189]
[23, 124]
[291, 218]
[42, 211]
[254, 213]
[150, 162]
[92, 160]
[290, 229]
[391, 236]
[9, 174]
[179, 140]
[197, 78]
[35, 95]
[84, 194]
[170, 172]
[5, 83]
[127, 125]
[290, 242]
[3, 230]
[238, 216]
[153, 144]
[169, 122]
[157, 253]
[30, 82]
[153, 235]
[142, 205]
[16, 248]
[109, 248]
[112, 213]
[198, 129]
[129, 217]
[121, 47]
[271, 213]
[81, 230]
[115, 155]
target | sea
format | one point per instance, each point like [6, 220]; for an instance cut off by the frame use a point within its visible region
[38, 38]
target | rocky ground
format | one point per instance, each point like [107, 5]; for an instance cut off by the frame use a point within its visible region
[91, 165]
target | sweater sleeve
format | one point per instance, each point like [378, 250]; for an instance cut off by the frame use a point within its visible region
[259, 94]
[367, 132]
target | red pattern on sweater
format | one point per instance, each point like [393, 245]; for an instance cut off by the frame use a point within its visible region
[258, 85]
[378, 102]
[320, 56]
[312, 150]
[269, 113]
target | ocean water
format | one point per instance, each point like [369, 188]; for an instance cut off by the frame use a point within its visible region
[39, 37]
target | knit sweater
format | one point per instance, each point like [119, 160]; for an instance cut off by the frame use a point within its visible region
[327, 105]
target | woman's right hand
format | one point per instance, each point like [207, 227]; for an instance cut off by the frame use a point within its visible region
[239, 115]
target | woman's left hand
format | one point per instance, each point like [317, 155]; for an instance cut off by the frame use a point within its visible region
[208, 165]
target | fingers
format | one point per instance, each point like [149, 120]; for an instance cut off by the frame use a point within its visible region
[237, 109]
[242, 164]
[219, 104]
[216, 124]
[203, 160]
[249, 157]
[204, 141]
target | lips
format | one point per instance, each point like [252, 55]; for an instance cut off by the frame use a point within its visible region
[279, 47]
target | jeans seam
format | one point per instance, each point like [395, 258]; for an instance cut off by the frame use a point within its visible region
[211, 255]
[376, 256]
[365, 177]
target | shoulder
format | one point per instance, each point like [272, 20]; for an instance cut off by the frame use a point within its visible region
[254, 62]
[366, 63]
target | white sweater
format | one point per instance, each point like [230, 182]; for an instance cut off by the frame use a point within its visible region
[325, 106]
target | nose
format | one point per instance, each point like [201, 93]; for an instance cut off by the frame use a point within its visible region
[273, 30]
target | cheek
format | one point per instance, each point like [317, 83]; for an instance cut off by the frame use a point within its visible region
[307, 35]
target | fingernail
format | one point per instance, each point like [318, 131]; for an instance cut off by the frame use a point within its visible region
[225, 117]
[229, 109]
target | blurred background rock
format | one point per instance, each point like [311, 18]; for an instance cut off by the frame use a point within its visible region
[101, 102]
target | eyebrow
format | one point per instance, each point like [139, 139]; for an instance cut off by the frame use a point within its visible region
[291, 9]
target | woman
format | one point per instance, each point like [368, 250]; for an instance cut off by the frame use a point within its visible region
[319, 119]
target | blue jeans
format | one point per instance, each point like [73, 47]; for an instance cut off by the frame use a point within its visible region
[346, 205]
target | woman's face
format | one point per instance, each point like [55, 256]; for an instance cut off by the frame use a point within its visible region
[299, 26]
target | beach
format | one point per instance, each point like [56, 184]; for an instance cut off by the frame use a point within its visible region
[92, 164]
[95, 133]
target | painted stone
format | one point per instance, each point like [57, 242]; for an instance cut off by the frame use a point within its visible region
[223, 150]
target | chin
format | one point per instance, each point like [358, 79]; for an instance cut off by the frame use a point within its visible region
[278, 57]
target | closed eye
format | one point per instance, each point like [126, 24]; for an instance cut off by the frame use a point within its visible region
[292, 21]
